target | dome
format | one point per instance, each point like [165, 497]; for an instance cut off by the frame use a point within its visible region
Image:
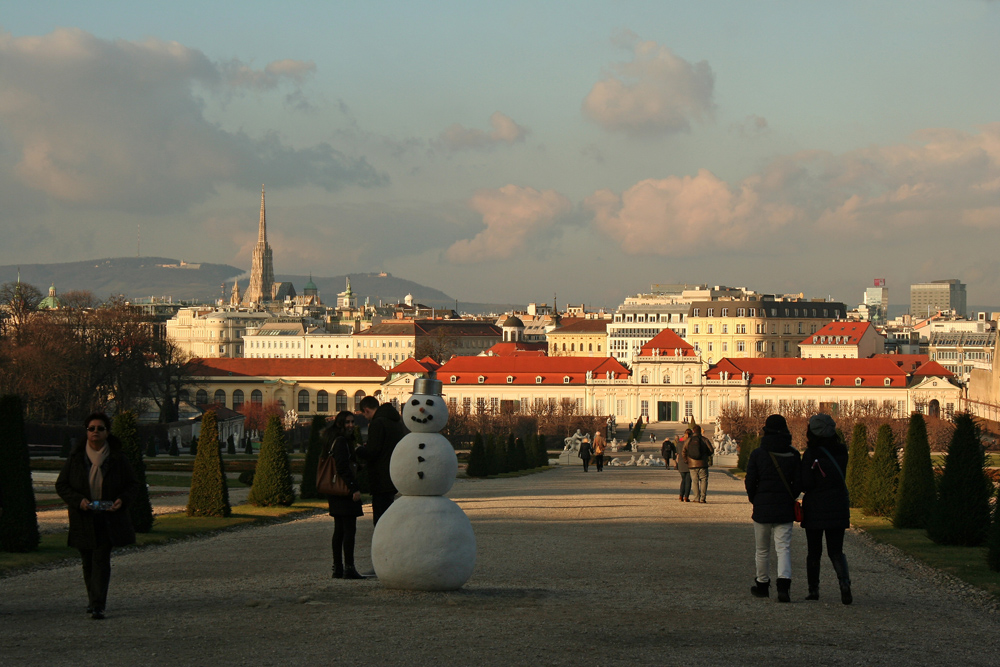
[513, 322]
[51, 302]
[310, 285]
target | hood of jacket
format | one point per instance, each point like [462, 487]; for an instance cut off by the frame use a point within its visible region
[387, 412]
[776, 442]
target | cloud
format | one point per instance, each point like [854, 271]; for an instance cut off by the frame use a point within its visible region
[944, 179]
[117, 124]
[752, 126]
[513, 216]
[459, 138]
[657, 92]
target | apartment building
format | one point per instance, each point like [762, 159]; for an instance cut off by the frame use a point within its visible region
[579, 338]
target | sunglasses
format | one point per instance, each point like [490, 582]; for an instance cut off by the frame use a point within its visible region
[99, 429]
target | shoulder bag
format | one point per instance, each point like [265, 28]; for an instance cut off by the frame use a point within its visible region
[796, 506]
[328, 482]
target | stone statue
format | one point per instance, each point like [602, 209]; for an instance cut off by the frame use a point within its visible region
[572, 443]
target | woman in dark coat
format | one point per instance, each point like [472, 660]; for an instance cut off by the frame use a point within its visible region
[772, 487]
[825, 505]
[98, 471]
[345, 510]
[586, 451]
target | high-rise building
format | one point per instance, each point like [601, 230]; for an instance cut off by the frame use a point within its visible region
[262, 267]
[927, 299]
[877, 302]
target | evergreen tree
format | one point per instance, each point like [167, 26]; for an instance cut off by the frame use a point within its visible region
[543, 451]
[749, 443]
[67, 446]
[272, 483]
[248, 445]
[478, 465]
[521, 454]
[231, 445]
[194, 445]
[140, 509]
[209, 490]
[314, 451]
[510, 454]
[883, 475]
[993, 539]
[917, 494]
[492, 456]
[151, 448]
[18, 516]
[858, 462]
[174, 450]
[962, 514]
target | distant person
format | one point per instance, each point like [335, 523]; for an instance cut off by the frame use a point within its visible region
[683, 469]
[652, 438]
[97, 483]
[697, 450]
[825, 505]
[586, 451]
[772, 487]
[631, 427]
[600, 444]
[385, 429]
[668, 451]
[338, 439]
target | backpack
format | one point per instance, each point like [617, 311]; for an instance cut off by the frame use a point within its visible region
[696, 448]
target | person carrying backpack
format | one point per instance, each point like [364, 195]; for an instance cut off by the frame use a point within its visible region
[697, 450]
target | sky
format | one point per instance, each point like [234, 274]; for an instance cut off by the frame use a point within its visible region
[513, 151]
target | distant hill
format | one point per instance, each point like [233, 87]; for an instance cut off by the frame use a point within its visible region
[373, 286]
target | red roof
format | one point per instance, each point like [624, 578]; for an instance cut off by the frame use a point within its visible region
[411, 365]
[509, 349]
[527, 370]
[839, 333]
[667, 344]
[932, 368]
[813, 372]
[576, 325]
[366, 368]
[908, 362]
[430, 363]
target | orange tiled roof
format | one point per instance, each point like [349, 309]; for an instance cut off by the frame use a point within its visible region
[908, 362]
[508, 349]
[527, 370]
[577, 325]
[411, 365]
[839, 333]
[667, 343]
[814, 372]
[932, 368]
[287, 368]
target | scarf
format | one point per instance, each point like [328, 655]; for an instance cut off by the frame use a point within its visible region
[96, 479]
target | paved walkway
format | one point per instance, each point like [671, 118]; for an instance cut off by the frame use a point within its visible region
[573, 569]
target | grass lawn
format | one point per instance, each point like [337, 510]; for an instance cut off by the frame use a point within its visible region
[992, 460]
[167, 528]
[966, 563]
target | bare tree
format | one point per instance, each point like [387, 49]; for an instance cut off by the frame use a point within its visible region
[18, 304]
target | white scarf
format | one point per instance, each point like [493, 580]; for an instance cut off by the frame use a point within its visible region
[96, 475]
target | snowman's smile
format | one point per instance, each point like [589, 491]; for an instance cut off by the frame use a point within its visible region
[420, 420]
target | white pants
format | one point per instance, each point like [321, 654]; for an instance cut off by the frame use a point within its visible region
[782, 535]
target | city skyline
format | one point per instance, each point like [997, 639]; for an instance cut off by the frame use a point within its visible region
[503, 152]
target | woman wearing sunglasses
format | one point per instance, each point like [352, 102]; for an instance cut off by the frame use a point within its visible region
[345, 510]
[97, 484]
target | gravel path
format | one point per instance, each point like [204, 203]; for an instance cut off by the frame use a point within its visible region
[573, 569]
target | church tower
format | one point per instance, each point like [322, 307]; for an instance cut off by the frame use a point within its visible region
[261, 268]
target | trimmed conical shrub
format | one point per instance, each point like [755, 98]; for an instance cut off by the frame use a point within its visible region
[962, 514]
[858, 462]
[493, 456]
[209, 490]
[231, 445]
[248, 444]
[521, 455]
[151, 448]
[883, 475]
[313, 451]
[543, 451]
[140, 509]
[993, 539]
[194, 445]
[478, 466]
[510, 451]
[749, 443]
[272, 483]
[174, 450]
[916, 495]
[18, 517]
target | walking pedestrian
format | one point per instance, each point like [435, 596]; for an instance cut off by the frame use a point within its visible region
[599, 446]
[697, 450]
[684, 470]
[585, 453]
[668, 451]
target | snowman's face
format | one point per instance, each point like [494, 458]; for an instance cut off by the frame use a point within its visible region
[425, 413]
[423, 464]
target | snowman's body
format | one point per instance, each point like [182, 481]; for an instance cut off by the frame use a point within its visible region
[424, 541]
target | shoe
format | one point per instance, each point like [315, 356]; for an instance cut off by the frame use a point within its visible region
[351, 573]
[98, 615]
[812, 578]
[90, 609]
[784, 587]
[703, 502]
[760, 589]
[843, 576]
[338, 571]
[681, 498]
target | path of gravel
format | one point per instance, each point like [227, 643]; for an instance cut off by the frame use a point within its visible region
[573, 569]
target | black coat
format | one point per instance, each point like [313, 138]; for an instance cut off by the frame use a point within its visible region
[73, 485]
[384, 431]
[772, 503]
[347, 467]
[825, 504]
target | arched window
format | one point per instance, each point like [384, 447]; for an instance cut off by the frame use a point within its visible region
[303, 401]
[219, 398]
[666, 379]
[281, 403]
[341, 400]
[323, 401]
[572, 347]
[256, 397]
[237, 399]
[358, 395]
[201, 398]
[644, 379]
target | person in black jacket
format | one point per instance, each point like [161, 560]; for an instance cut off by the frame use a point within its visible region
[825, 505]
[772, 487]
[385, 429]
[345, 510]
[98, 471]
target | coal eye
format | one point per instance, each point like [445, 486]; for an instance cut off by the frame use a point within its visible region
[429, 401]
[414, 402]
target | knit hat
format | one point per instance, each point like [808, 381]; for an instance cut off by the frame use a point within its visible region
[775, 424]
[823, 426]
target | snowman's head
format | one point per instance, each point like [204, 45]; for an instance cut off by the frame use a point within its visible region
[425, 413]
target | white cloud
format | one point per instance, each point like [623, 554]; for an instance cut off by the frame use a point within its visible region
[657, 92]
[513, 216]
[505, 131]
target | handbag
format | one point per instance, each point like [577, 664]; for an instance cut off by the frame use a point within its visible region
[796, 505]
[328, 482]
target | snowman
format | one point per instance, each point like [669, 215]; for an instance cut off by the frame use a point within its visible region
[424, 541]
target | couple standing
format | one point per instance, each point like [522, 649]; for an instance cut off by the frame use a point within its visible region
[693, 459]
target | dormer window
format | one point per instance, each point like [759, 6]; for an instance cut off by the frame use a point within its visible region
[798, 381]
[888, 382]
[768, 380]
[510, 379]
[857, 382]
[482, 379]
[828, 382]
[565, 379]
[538, 379]
[454, 379]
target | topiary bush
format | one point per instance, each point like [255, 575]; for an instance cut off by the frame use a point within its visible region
[916, 495]
[521, 455]
[140, 509]
[194, 445]
[209, 490]
[749, 443]
[962, 514]
[231, 445]
[246, 477]
[494, 455]
[18, 517]
[543, 451]
[307, 489]
[883, 475]
[248, 445]
[174, 449]
[478, 465]
[272, 483]
[151, 448]
[857, 466]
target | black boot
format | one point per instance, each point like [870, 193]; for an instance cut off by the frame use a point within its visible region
[338, 570]
[760, 589]
[784, 586]
[840, 567]
[812, 578]
[351, 573]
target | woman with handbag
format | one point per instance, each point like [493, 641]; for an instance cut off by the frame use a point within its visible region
[772, 487]
[345, 499]
[825, 504]
[600, 444]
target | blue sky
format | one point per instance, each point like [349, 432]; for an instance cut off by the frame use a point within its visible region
[509, 151]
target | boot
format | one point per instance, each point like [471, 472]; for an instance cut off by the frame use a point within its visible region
[812, 578]
[338, 568]
[840, 567]
[760, 589]
[351, 573]
[784, 586]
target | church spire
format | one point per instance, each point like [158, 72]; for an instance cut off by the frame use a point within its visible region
[262, 230]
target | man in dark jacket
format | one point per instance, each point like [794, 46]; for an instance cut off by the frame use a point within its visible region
[697, 450]
[385, 429]
[772, 487]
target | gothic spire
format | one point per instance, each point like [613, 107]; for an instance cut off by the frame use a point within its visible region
[262, 231]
